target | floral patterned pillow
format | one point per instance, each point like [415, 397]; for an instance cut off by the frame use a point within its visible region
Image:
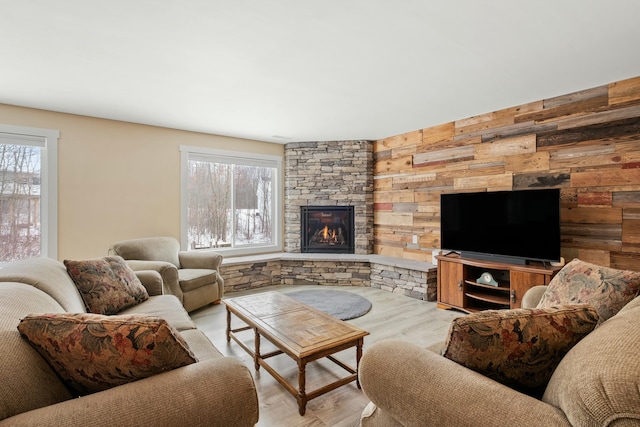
[92, 352]
[107, 285]
[521, 347]
[606, 289]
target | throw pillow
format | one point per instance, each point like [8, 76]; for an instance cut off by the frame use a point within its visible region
[521, 347]
[606, 289]
[92, 352]
[107, 285]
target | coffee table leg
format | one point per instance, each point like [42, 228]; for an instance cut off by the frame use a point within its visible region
[228, 325]
[302, 380]
[256, 355]
[358, 356]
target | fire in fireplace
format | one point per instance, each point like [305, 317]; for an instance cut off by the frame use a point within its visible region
[327, 229]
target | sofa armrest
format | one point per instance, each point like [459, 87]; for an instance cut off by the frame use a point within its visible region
[213, 392]
[417, 387]
[168, 272]
[532, 297]
[151, 280]
[200, 259]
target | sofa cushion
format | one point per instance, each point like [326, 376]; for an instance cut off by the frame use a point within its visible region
[606, 289]
[521, 347]
[598, 381]
[168, 307]
[28, 382]
[92, 352]
[48, 275]
[194, 278]
[107, 284]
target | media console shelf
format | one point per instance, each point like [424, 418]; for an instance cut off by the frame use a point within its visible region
[458, 285]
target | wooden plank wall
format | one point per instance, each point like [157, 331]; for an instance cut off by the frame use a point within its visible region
[586, 143]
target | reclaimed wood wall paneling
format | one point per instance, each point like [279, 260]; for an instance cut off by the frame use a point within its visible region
[586, 143]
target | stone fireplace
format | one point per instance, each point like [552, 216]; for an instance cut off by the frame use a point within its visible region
[327, 229]
[320, 176]
[329, 174]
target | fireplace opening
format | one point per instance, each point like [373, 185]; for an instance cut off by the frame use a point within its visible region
[327, 229]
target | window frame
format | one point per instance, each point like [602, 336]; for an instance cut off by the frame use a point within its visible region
[232, 157]
[47, 140]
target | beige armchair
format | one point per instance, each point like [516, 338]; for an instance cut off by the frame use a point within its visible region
[191, 276]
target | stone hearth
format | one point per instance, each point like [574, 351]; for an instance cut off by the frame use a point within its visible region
[415, 279]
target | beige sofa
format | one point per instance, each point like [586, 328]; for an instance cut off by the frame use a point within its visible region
[597, 383]
[215, 391]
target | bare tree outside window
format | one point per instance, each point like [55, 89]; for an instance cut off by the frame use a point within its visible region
[20, 185]
[229, 205]
[252, 204]
[209, 205]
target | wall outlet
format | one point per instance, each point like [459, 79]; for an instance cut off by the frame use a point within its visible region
[415, 239]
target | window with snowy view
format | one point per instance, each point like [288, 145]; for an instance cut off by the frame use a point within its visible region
[230, 201]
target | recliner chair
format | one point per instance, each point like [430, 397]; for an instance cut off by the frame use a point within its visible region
[192, 276]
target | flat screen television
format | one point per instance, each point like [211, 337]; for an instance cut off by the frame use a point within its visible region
[505, 226]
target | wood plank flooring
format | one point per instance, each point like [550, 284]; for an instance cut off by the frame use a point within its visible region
[391, 316]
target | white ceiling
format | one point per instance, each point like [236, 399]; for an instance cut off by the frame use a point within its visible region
[295, 70]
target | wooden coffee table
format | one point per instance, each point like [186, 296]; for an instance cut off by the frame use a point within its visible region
[300, 331]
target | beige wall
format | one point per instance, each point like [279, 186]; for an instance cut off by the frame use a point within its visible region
[118, 180]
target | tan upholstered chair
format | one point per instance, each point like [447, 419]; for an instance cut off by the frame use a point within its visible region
[191, 276]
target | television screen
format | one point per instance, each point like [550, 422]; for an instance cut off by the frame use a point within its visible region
[510, 226]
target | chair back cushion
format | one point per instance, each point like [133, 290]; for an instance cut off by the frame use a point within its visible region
[149, 249]
[28, 382]
[598, 381]
[48, 275]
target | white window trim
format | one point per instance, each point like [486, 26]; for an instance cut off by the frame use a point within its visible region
[244, 158]
[48, 140]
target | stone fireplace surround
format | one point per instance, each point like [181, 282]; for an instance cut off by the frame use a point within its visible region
[336, 173]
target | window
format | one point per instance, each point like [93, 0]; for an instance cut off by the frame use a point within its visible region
[28, 193]
[230, 201]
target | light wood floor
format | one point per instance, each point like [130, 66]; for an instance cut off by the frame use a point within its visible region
[392, 316]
